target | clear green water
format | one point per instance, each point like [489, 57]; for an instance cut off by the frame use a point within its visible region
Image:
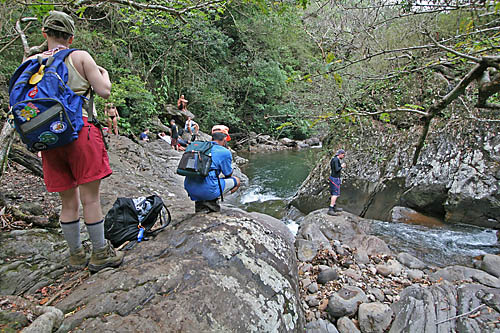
[274, 177]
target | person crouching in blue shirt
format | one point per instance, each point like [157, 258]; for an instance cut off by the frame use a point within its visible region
[205, 191]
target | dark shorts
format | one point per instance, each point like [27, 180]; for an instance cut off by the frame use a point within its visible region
[174, 142]
[334, 185]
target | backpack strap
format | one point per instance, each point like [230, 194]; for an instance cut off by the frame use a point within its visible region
[62, 54]
[220, 189]
[217, 175]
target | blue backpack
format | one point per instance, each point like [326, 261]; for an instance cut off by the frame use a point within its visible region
[46, 112]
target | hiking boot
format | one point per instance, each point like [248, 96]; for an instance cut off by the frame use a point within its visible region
[105, 257]
[337, 210]
[78, 260]
[213, 205]
[199, 207]
[331, 211]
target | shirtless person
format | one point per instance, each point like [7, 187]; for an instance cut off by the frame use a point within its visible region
[111, 112]
[182, 103]
[76, 169]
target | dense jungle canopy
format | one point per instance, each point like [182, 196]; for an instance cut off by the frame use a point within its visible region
[286, 68]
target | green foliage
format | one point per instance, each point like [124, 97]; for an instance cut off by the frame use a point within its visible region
[135, 104]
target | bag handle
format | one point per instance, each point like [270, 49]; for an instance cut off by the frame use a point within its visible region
[164, 224]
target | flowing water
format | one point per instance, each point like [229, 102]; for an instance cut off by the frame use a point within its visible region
[274, 177]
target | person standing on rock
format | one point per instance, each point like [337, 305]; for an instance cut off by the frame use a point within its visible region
[174, 134]
[335, 181]
[205, 191]
[75, 170]
[111, 112]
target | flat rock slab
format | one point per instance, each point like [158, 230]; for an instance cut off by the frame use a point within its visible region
[445, 307]
[212, 272]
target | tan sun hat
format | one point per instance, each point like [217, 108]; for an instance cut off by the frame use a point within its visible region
[222, 129]
[59, 21]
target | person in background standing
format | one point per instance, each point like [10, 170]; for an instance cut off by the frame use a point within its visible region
[174, 135]
[335, 181]
[111, 112]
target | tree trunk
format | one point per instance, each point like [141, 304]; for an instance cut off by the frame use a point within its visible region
[6, 138]
[30, 161]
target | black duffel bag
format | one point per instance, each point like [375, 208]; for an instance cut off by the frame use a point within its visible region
[128, 216]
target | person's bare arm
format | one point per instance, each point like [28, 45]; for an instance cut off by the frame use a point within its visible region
[97, 76]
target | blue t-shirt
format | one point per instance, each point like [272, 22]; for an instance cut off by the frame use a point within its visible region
[207, 188]
[143, 136]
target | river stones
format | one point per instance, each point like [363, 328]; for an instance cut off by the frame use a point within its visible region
[374, 317]
[345, 325]
[491, 264]
[345, 302]
[320, 326]
[392, 267]
[410, 261]
[306, 250]
[459, 273]
[327, 275]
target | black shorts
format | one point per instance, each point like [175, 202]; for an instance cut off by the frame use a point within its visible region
[334, 185]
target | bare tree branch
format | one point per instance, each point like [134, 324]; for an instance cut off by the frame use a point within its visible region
[462, 55]
[148, 6]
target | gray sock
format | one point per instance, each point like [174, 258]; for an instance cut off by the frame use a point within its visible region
[71, 232]
[96, 234]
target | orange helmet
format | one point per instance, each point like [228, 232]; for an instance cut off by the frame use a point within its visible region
[223, 129]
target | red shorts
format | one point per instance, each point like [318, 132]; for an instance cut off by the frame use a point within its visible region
[82, 161]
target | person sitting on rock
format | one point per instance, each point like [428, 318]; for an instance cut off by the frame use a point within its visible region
[334, 181]
[205, 191]
[192, 127]
[182, 103]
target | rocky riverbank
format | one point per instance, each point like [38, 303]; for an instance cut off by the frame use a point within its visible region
[352, 282]
[263, 142]
[204, 271]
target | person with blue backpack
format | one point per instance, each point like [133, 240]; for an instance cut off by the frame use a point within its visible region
[73, 169]
[205, 191]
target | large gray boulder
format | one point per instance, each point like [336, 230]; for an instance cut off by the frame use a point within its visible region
[320, 229]
[197, 277]
[459, 273]
[491, 264]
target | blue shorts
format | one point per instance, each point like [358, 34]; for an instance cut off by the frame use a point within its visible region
[334, 185]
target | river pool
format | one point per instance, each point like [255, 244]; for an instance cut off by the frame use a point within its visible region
[274, 177]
